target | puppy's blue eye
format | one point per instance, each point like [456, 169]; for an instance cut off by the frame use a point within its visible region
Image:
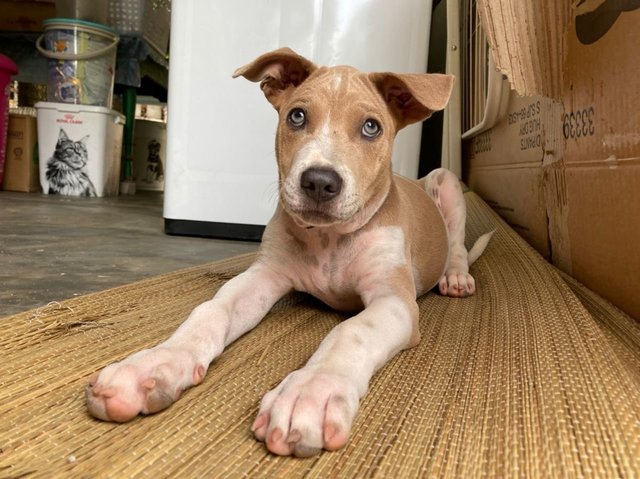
[297, 117]
[371, 128]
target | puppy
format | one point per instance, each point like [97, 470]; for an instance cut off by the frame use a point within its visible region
[346, 230]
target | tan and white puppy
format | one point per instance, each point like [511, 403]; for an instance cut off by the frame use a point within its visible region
[346, 230]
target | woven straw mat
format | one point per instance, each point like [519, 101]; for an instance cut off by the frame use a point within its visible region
[534, 376]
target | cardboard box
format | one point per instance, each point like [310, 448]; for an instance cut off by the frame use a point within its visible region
[566, 174]
[21, 165]
[25, 15]
[505, 165]
[601, 125]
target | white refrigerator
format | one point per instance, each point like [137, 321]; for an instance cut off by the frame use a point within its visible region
[220, 177]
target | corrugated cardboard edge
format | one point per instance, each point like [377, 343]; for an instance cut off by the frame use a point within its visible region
[527, 42]
[555, 188]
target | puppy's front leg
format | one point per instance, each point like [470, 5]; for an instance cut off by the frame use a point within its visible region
[152, 379]
[314, 407]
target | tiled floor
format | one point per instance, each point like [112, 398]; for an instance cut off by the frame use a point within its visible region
[54, 247]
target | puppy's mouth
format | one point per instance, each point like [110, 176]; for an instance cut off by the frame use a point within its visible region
[316, 218]
[307, 213]
[318, 196]
[312, 215]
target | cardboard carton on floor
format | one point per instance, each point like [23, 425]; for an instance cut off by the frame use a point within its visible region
[25, 15]
[601, 125]
[21, 163]
[567, 175]
[505, 165]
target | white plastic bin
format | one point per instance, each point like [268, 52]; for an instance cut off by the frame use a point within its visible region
[79, 149]
[221, 177]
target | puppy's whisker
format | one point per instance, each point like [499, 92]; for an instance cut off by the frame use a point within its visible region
[273, 191]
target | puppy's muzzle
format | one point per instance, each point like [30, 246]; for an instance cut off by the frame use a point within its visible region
[321, 184]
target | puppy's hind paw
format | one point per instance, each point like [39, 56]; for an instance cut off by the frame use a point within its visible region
[457, 284]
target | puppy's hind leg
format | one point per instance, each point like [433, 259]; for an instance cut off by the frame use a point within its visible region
[444, 188]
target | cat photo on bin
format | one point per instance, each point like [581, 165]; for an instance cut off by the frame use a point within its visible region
[155, 170]
[67, 167]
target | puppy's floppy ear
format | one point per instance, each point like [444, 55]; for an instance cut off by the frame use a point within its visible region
[277, 71]
[413, 97]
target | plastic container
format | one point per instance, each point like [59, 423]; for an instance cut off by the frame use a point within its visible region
[91, 11]
[150, 154]
[7, 69]
[82, 58]
[79, 148]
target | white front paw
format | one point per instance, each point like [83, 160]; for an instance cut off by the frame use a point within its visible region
[309, 411]
[146, 382]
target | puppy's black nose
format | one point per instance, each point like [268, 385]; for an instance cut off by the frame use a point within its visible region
[321, 184]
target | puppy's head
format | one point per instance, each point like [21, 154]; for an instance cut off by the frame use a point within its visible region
[335, 132]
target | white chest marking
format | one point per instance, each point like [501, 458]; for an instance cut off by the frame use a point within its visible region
[351, 267]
